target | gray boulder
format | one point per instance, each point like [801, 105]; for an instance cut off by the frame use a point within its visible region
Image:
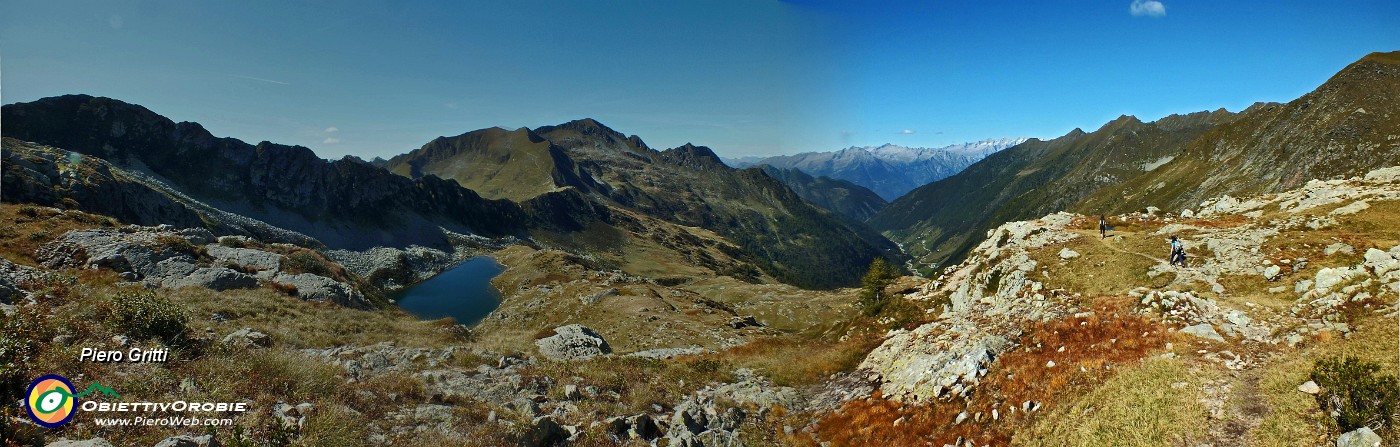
[1271, 272]
[1361, 437]
[1067, 254]
[246, 257]
[247, 338]
[189, 441]
[214, 278]
[319, 288]
[573, 342]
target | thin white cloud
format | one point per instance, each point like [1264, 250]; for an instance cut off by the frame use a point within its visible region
[1148, 8]
[906, 132]
[332, 129]
[330, 140]
[259, 79]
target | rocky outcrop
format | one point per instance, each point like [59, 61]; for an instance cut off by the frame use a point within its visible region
[162, 256]
[13, 278]
[573, 342]
[319, 288]
[991, 298]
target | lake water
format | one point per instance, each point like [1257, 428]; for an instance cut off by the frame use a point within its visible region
[463, 293]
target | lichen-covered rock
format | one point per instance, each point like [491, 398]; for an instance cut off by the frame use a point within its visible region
[573, 342]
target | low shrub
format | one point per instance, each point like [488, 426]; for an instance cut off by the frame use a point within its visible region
[1355, 395]
[142, 315]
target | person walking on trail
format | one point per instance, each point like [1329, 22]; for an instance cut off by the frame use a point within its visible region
[1178, 256]
[1103, 227]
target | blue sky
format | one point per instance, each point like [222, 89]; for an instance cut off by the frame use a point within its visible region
[744, 77]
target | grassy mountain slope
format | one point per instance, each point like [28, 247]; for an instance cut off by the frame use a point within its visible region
[345, 203]
[842, 197]
[942, 220]
[1343, 128]
[496, 163]
[689, 185]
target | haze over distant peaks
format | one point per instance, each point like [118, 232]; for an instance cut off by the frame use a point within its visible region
[889, 170]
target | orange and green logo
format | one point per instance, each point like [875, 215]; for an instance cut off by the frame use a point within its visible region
[50, 400]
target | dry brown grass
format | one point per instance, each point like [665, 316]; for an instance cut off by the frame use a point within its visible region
[1110, 340]
[799, 362]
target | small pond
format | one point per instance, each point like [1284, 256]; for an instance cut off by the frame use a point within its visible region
[463, 293]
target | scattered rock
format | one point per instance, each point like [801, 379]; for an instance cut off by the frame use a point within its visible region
[189, 441]
[11, 277]
[293, 416]
[666, 353]
[544, 432]
[94, 442]
[1272, 272]
[1353, 208]
[594, 298]
[1067, 254]
[1204, 331]
[247, 338]
[743, 322]
[571, 392]
[1361, 437]
[1338, 248]
[1309, 387]
[573, 342]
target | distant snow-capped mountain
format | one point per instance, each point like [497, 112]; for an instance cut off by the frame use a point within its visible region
[888, 170]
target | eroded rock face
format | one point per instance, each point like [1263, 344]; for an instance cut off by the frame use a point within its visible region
[573, 342]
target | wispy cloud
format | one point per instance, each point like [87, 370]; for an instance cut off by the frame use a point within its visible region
[259, 79]
[330, 140]
[332, 129]
[906, 132]
[1148, 8]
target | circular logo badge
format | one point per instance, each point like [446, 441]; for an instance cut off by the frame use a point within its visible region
[50, 400]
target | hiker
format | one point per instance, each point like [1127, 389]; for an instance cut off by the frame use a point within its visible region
[1103, 227]
[1178, 256]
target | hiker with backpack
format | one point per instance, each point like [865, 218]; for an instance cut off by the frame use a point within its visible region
[1103, 227]
[1178, 256]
